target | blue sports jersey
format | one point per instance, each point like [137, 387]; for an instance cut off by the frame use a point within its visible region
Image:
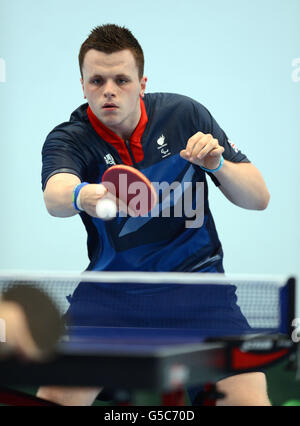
[154, 242]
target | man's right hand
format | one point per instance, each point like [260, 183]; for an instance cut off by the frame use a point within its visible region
[89, 196]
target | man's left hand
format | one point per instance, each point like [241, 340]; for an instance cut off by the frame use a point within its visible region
[203, 150]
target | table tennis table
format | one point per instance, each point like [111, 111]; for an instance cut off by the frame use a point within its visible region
[164, 360]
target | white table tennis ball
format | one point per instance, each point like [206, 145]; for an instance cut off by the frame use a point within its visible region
[106, 209]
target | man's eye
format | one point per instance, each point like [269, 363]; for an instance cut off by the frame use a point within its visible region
[121, 81]
[96, 81]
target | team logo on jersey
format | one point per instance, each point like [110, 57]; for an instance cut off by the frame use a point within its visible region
[163, 146]
[161, 140]
[234, 147]
[109, 160]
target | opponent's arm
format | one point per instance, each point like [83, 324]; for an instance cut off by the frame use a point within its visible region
[58, 195]
[241, 183]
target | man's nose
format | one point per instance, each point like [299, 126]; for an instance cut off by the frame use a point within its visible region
[109, 89]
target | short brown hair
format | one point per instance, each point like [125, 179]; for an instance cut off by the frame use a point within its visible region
[111, 38]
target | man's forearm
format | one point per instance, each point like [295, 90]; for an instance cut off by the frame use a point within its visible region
[243, 185]
[59, 202]
[58, 196]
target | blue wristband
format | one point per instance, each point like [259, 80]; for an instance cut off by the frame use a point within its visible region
[75, 195]
[214, 170]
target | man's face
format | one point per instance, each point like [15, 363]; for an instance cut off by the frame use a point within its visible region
[112, 87]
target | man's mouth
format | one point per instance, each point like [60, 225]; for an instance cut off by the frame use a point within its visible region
[109, 106]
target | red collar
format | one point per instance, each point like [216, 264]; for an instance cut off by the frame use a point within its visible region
[112, 138]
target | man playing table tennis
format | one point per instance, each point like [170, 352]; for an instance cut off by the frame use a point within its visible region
[169, 138]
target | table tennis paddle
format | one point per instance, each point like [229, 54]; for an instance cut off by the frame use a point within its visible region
[130, 188]
[42, 320]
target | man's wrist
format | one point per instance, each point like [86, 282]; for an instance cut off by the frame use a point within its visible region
[216, 169]
[76, 196]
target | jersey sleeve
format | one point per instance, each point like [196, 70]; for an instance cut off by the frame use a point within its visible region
[60, 154]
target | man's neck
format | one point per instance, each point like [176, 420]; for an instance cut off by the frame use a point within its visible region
[124, 131]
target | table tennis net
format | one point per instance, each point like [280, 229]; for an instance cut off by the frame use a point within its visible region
[168, 300]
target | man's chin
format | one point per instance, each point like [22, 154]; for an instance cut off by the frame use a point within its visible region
[110, 123]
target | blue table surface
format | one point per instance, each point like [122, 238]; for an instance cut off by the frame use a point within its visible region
[87, 339]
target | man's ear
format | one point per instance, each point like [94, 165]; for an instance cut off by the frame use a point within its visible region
[143, 86]
[82, 85]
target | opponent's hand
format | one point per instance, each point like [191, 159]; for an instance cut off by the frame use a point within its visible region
[90, 195]
[203, 150]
